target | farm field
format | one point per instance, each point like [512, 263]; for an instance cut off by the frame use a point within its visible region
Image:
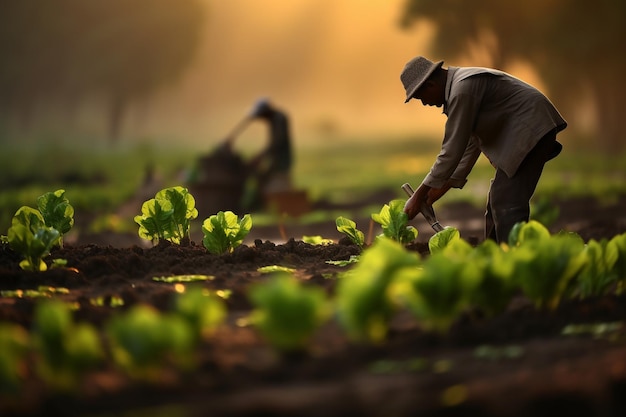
[517, 363]
[523, 361]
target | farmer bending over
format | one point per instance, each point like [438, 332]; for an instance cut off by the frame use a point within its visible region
[492, 112]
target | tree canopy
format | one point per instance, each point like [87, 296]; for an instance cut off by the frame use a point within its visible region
[575, 45]
[58, 52]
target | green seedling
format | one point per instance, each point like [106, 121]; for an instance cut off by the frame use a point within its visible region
[495, 286]
[203, 311]
[441, 290]
[275, 268]
[143, 341]
[617, 247]
[66, 349]
[223, 232]
[352, 260]
[363, 300]
[14, 347]
[394, 222]
[440, 240]
[524, 232]
[29, 236]
[57, 212]
[286, 313]
[546, 264]
[317, 240]
[597, 276]
[167, 216]
[348, 228]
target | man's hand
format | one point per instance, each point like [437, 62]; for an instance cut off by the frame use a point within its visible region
[413, 204]
[423, 195]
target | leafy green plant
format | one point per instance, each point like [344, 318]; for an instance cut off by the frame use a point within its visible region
[317, 240]
[223, 231]
[348, 228]
[394, 222]
[441, 290]
[14, 347]
[597, 277]
[363, 300]
[202, 310]
[29, 236]
[143, 341]
[287, 313]
[440, 240]
[66, 349]
[167, 216]
[495, 286]
[617, 246]
[527, 232]
[57, 212]
[546, 264]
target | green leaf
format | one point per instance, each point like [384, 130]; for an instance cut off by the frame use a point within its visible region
[286, 312]
[394, 222]
[526, 232]
[29, 236]
[183, 210]
[155, 220]
[348, 228]
[440, 240]
[364, 303]
[223, 232]
[57, 211]
[442, 290]
[545, 266]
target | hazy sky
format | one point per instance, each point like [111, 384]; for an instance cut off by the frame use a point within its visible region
[327, 62]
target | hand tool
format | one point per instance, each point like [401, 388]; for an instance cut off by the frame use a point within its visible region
[426, 209]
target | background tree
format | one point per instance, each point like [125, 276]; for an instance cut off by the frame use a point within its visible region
[61, 52]
[575, 46]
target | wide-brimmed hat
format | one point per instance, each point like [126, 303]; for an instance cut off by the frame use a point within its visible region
[415, 72]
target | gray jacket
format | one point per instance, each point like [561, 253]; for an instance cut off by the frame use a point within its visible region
[492, 112]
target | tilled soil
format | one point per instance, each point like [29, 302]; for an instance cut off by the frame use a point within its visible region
[516, 364]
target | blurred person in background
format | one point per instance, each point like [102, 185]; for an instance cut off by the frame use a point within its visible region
[491, 112]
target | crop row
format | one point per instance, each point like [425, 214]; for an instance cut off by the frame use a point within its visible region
[385, 279]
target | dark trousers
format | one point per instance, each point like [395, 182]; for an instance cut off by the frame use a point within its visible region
[509, 198]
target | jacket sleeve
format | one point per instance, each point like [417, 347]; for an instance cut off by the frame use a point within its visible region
[457, 148]
[472, 152]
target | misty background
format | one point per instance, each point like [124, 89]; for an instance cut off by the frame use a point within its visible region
[184, 72]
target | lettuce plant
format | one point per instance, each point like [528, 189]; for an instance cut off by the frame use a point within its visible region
[57, 212]
[598, 275]
[394, 222]
[224, 231]
[66, 349]
[348, 228]
[143, 340]
[14, 345]
[29, 236]
[440, 240]
[167, 216]
[202, 310]
[441, 290]
[617, 248]
[364, 299]
[286, 313]
[545, 265]
[495, 286]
